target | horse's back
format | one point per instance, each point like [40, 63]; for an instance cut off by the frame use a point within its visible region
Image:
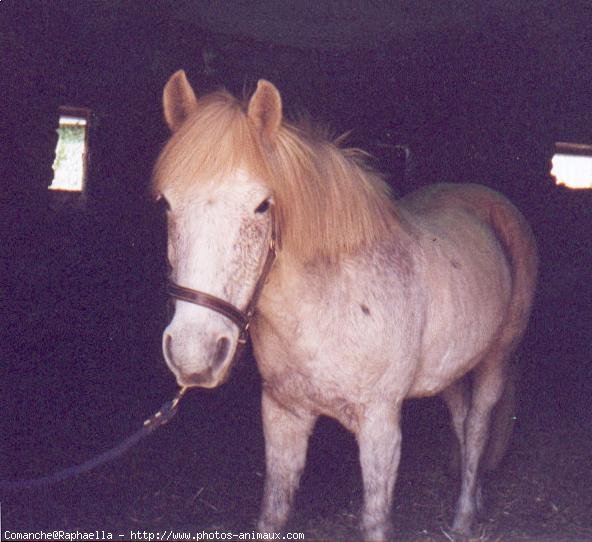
[476, 198]
[490, 207]
[506, 222]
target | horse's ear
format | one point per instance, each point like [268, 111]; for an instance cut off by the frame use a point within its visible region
[265, 108]
[178, 100]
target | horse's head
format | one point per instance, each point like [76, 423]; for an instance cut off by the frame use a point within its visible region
[220, 221]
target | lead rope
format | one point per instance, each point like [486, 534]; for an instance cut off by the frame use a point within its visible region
[163, 416]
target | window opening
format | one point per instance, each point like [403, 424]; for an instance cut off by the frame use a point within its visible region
[572, 165]
[70, 164]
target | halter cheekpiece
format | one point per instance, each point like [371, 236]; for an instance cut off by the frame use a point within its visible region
[241, 318]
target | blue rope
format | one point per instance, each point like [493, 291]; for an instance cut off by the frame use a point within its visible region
[163, 416]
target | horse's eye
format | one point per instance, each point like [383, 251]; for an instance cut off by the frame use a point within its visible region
[263, 207]
[163, 204]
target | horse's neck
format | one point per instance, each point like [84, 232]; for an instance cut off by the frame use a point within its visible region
[285, 281]
[290, 284]
[293, 287]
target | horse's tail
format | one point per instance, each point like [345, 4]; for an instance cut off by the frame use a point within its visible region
[518, 242]
[502, 421]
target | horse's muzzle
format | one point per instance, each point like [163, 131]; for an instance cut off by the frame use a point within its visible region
[211, 372]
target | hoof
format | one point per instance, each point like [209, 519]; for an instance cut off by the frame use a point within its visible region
[478, 532]
[376, 533]
[462, 529]
[459, 537]
[267, 527]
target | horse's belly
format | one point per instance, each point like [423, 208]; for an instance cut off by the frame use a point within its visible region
[439, 372]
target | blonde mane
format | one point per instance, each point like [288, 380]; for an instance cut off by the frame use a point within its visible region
[328, 201]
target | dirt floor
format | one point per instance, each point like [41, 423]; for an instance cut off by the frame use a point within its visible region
[204, 471]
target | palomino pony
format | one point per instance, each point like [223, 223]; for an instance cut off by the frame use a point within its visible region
[362, 303]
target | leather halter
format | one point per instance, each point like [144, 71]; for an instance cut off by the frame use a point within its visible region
[242, 318]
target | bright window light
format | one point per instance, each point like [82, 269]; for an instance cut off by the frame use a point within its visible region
[572, 165]
[69, 166]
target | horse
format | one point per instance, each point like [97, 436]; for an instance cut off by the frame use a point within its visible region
[354, 301]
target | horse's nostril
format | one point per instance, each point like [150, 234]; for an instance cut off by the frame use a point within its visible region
[168, 346]
[222, 348]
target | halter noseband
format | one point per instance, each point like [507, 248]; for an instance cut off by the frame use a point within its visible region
[242, 319]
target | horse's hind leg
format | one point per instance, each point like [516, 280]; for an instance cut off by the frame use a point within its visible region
[487, 387]
[458, 400]
[286, 440]
[379, 440]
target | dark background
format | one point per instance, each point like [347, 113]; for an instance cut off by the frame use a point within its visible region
[479, 93]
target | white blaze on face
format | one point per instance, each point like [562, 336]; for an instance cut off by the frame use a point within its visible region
[217, 244]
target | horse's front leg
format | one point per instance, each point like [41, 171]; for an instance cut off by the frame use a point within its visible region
[286, 440]
[379, 439]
